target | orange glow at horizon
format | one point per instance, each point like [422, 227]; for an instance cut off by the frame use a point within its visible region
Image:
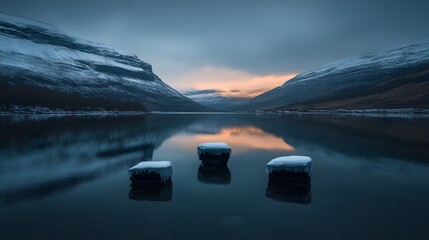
[248, 84]
[239, 138]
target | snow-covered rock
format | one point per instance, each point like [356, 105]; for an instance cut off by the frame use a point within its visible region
[43, 66]
[148, 172]
[291, 164]
[214, 152]
[215, 148]
[290, 179]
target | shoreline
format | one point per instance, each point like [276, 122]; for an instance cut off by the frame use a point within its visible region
[382, 113]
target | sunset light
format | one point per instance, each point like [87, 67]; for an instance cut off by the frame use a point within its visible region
[232, 83]
[239, 138]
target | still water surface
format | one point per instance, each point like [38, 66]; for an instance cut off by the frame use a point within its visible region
[67, 178]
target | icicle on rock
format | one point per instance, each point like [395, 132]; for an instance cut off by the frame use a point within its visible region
[151, 172]
[214, 153]
[290, 168]
[290, 179]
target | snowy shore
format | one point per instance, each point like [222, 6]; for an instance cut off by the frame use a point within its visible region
[388, 113]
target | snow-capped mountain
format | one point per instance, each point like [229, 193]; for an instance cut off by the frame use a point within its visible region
[395, 78]
[219, 100]
[43, 66]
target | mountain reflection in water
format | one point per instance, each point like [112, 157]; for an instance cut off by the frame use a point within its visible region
[80, 165]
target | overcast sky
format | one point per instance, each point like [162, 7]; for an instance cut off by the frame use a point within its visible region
[209, 44]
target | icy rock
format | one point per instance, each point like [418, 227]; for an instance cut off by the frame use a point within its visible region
[214, 148]
[147, 171]
[291, 164]
[214, 152]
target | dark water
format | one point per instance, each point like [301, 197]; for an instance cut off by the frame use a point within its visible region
[67, 178]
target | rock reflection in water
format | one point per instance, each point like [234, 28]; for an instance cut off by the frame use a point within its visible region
[151, 191]
[294, 188]
[214, 174]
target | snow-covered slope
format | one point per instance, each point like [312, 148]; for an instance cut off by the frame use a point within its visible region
[40, 65]
[395, 78]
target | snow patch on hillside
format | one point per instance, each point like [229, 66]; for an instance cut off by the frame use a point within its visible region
[388, 59]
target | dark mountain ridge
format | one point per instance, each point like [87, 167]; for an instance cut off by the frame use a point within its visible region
[42, 66]
[391, 79]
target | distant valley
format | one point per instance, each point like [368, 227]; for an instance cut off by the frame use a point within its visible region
[215, 99]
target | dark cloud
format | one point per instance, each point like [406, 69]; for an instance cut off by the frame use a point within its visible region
[260, 37]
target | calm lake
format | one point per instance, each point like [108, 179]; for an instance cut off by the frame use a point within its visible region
[67, 178]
